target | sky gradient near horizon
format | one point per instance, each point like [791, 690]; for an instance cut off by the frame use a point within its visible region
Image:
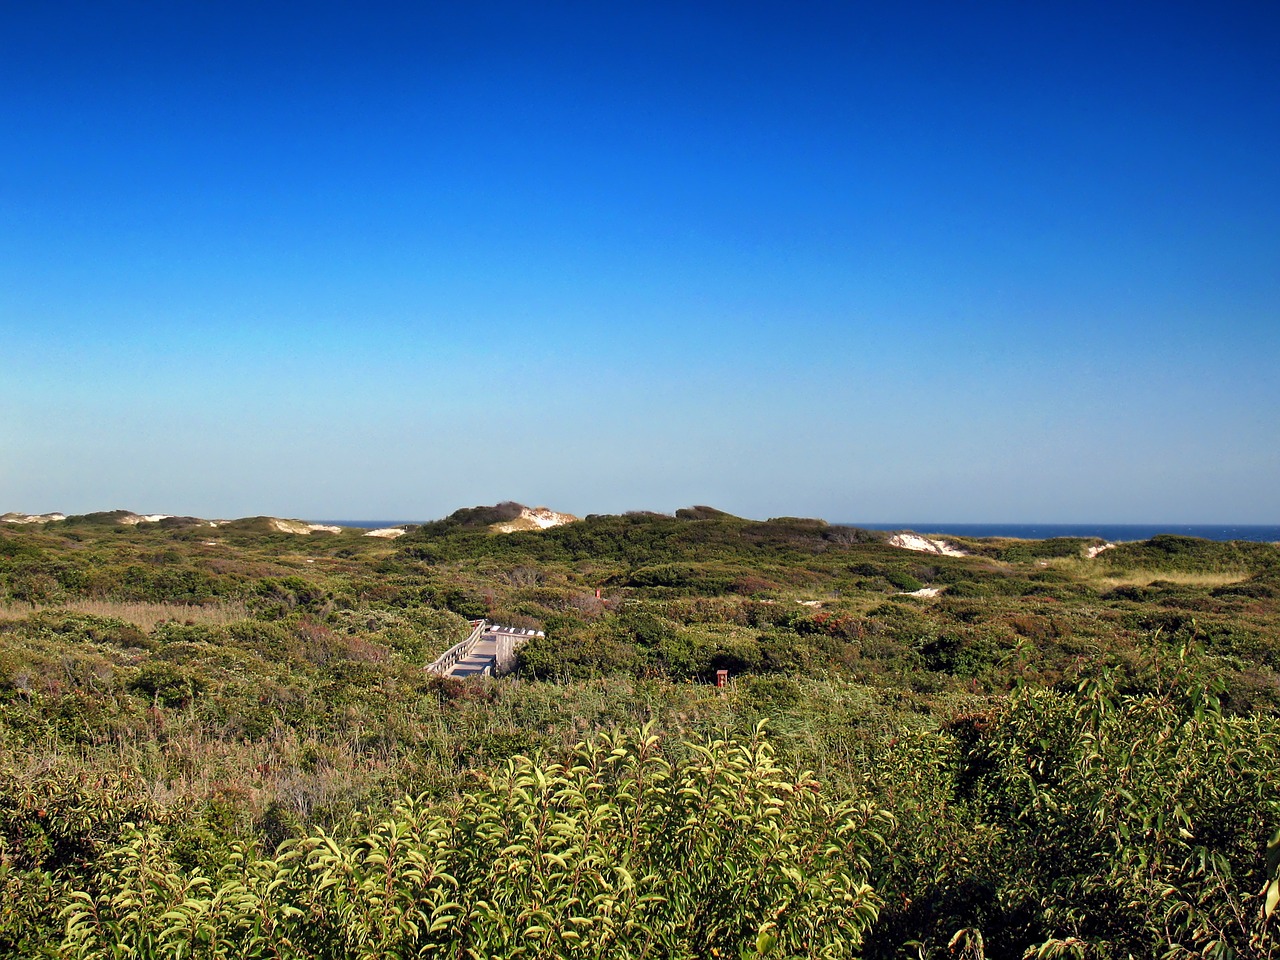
[999, 262]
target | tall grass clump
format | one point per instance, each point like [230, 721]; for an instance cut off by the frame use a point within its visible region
[144, 615]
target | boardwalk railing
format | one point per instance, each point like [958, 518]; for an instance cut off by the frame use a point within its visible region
[459, 651]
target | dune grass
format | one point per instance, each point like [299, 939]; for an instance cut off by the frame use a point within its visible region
[1107, 578]
[1142, 578]
[144, 615]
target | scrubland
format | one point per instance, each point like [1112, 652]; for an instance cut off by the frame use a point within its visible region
[226, 745]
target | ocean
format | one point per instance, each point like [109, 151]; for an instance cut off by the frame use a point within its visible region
[1107, 531]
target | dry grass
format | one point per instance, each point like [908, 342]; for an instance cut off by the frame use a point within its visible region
[1090, 572]
[144, 615]
[1140, 578]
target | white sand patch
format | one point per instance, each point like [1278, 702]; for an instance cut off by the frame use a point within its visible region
[809, 603]
[389, 533]
[536, 518]
[302, 527]
[922, 592]
[1094, 551]
[134, 519]
[911, 541]
[545, 518]
[32, 517]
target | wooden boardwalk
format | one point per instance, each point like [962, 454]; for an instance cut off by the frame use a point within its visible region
[489, 651]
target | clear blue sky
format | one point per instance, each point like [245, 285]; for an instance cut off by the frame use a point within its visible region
[970, 262]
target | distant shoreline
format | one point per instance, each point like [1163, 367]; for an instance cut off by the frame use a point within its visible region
[1117, 532]
[1260, 533]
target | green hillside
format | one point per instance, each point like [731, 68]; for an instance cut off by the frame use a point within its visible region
[219, 741]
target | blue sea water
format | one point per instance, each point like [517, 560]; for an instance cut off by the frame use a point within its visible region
[1107, 531]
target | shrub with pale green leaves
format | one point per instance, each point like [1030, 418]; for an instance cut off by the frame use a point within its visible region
[628, 849]
[1089, 823]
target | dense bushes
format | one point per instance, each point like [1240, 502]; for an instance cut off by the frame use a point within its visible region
[1059, 783]
[622, 851]
[1190, 555]
[1131, 821]
[1082, 822]
[1085, 823]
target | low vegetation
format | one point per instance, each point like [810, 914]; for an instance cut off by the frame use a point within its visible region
[222, 743]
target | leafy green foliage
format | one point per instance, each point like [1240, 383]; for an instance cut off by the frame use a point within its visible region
[1143, 817]
[621, 851]
[1190, 555]
[1045, 778]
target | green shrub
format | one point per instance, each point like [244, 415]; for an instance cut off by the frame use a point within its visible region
[903, 580]
[167, 684]
[1189, 555]
[625, 850]
[1109, 825]
[576, 653]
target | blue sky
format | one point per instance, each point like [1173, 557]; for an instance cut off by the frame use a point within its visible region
[968, 262]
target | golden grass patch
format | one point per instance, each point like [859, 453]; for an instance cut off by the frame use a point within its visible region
[144, 615]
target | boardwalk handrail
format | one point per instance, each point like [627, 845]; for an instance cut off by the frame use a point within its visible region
[459, 651]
